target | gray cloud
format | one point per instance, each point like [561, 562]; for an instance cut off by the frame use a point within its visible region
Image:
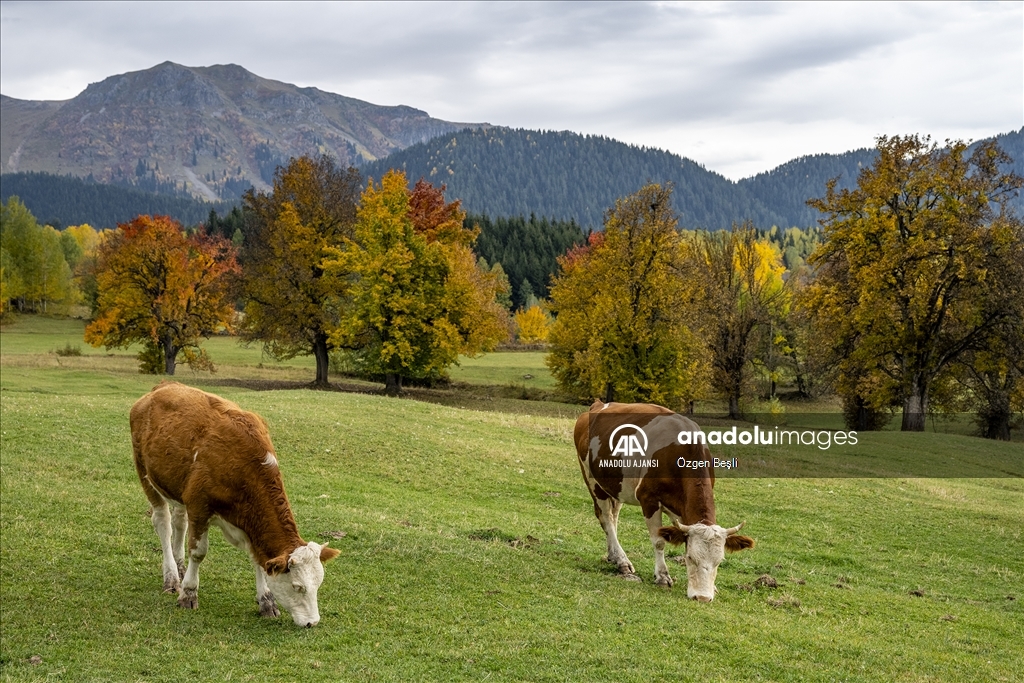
[739, 87]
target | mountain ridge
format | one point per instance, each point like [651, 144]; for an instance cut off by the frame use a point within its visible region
[568, 176]
[211, 132]
[207, 132]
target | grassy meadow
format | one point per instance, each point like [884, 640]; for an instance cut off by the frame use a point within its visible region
[469, 548]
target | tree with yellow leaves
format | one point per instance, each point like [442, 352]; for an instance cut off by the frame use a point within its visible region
[621, 310]
[33, 269]
[918, 268]
[162, 288]
[291, 305]
[418, 297]
[86, 240]
[532, 325]
[742, 293]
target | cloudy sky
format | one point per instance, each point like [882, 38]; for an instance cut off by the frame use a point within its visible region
[738, 87]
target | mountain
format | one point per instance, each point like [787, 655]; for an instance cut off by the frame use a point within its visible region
[209, 132]
[566, 176]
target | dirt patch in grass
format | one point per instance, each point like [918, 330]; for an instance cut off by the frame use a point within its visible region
[496, 534]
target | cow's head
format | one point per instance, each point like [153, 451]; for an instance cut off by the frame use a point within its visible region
[295, 579]
[705, 548]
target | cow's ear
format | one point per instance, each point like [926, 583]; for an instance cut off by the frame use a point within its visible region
[734, 543]
[328, 554]
[276, 565]
[672, 534]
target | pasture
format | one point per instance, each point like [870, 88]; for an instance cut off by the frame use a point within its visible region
[469, 548]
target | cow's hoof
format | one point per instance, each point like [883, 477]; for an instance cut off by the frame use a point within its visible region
[626, 568]
[171, 585]
[631, 577]
[267, 606]
[665, 581]
[189, 598]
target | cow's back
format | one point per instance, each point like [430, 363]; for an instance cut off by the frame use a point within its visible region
[179, 432]
[581, 433]
[686, 493]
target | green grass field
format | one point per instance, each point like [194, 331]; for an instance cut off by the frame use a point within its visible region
[470, 549]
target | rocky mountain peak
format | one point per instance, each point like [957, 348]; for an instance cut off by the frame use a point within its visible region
[209, 132]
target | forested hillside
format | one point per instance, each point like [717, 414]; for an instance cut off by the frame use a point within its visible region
[65, 200]
[506, 172]
[787, 188]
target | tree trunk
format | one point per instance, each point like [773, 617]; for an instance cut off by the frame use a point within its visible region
[801, 386]
[323, 361]
[915, 407]
[609, 393]
[734, 407]
[994, 416]
[392, 384]
[997, 426]
[170, 355]
[861, 423]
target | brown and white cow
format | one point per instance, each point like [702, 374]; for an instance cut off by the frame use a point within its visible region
[685, 494]
[203, 460]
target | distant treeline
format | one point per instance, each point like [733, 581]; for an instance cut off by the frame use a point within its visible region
[526, 248]
[67, 200]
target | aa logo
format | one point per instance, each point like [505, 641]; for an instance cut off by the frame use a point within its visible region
[628, 444]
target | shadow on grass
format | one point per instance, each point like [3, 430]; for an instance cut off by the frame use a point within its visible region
[491, 398]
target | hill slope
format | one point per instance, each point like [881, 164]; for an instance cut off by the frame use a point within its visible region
[563, 175]
[210, 132]
[506, 172]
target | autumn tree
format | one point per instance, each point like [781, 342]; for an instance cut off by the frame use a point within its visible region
[290, 306]
[621, 309]
[87, 240]
[532, 325]
[908, 257]
[419, 298]
[989, 379]
[162, 288]
[742, 296]
[35, 273]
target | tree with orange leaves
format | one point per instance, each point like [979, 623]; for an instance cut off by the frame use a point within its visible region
[162, 288]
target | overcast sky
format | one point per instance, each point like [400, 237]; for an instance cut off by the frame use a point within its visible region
[738, 87]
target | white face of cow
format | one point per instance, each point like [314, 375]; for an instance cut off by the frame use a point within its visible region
[705, 549]
[295, 589]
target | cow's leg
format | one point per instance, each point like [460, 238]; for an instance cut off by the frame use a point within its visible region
[179, 528]
[265, 599]
[161, 518]
[607, 510]
[198, 544]
[162, 526]
[661, 575]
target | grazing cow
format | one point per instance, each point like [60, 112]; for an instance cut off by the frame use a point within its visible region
[203, 460]
[630, 453]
